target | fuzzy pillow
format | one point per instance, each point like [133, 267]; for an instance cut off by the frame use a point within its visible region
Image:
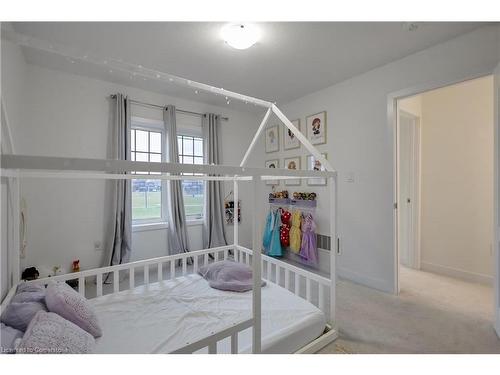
[48, 333]
[30, 287]
[29, 293]
[65, 301]
[8, 336]
[228, 275]
[19, 314]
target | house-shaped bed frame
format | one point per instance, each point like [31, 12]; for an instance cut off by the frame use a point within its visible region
[15, 167]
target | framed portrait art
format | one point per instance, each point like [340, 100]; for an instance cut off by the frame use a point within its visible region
[290, 141]
[316, 128]
[314, 164]
[272, 139]
[292, 163]
[275, 163]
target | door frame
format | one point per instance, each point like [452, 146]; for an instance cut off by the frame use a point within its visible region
[496, 196]
[392, 121]
[415, 184]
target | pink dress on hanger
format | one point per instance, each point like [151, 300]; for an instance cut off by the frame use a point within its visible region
[308, 248]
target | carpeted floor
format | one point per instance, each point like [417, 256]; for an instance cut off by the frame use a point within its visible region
[433, 314]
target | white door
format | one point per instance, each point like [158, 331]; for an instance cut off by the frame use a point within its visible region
[408, 189]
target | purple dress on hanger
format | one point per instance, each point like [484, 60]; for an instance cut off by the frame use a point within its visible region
[308, 248]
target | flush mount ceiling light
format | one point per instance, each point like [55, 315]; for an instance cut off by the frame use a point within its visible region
[240, 36]
[410, 26]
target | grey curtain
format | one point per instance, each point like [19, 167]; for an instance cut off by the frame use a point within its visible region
[119, 241]
[177, 236]
[214, 231]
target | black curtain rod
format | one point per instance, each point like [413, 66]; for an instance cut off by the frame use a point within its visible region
[161, 107]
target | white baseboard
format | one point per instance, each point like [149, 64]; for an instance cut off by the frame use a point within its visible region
[457, 273]
[379, 284]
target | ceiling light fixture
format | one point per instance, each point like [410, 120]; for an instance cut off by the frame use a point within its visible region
[410, 26]
[240, 36]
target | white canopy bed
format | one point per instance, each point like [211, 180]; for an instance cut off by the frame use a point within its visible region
[194, 317]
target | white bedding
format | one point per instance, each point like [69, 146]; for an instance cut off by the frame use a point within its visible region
[164, 316]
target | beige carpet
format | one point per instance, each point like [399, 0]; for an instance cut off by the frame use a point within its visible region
[433, 314]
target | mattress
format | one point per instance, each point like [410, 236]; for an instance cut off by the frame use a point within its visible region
[164, 316]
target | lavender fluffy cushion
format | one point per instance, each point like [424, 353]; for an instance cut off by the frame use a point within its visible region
[29, 293]
[18, 315]
[30, 287]
[8, 336]
[63, 300]
[227, 275]
[50, 333]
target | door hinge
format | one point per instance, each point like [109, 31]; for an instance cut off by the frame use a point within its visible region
[396, 206]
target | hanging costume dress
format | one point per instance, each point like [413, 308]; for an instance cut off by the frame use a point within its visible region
[295, 233]
[275, 249]
[308, 249]
[268, 231]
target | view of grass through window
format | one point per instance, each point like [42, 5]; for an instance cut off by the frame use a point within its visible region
[191, 152]
[147, 194]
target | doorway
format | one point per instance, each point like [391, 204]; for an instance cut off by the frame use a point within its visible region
[444, 168]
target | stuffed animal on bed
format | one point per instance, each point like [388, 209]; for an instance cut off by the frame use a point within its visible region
[30, 273]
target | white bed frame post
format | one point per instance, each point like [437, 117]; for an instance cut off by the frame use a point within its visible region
[333, 250]
[16, 236]
[235, 221]
[256, 267]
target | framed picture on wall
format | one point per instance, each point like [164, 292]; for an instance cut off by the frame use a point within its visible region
[293, 163]
[275, 163]
[290, 141]
[272, 139]
[314, 164]
[316, 128]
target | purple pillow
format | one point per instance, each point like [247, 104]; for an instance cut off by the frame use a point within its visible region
[228, 275]
[18, 315]
[65, 301]
[8, 336]
[49, 333]
[30, 287]
[29, 293]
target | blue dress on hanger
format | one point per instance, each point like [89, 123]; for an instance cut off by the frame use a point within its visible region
[275, 249]
[268, 231]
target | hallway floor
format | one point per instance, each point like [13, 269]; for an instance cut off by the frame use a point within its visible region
[432, 314]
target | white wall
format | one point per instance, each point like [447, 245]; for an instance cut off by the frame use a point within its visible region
[68, 115]
[360, 144]
[457, 180]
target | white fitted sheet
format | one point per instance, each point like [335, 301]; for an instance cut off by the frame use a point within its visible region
[164, 316]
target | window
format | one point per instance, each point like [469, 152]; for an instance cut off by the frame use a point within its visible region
[147, 194]
[191, 152]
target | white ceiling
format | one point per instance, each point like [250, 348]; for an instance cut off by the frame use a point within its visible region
[291, 59]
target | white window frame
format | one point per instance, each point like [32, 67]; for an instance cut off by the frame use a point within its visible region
[184, 132]
[140, 123]
[190, 126]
